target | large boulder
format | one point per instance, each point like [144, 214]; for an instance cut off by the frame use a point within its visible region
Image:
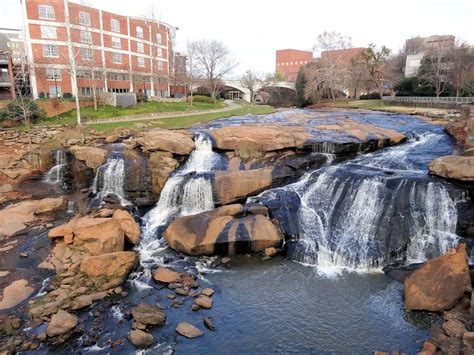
[93, 157]
[440, 283]
[128, 225]
[161, 165]
[172, 141]
[225, 230]
[454, 167]
[15, 218]
[110, 268]
[188, 330]
[231, 186]
[140, 339]
[255, 137]
[61, 323]
[99, 235]
[15, 293]
[148, 314]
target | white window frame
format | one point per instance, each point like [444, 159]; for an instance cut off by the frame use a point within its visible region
[141, 62]
[56, 89]
[116, 42]
[84, 18]
[46, 12]
[159, 38]
[53, 74]
[140, 47]
[87, 54]
[115, 56]
[86, 37]
[139, 31]
[114, 25]
[49, 32]
[50, 51]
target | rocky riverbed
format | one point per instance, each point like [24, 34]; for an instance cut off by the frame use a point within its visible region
[245, 234]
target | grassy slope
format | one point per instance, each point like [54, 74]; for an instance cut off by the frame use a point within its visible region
[377, 105]
[148, 107]
[185, 121]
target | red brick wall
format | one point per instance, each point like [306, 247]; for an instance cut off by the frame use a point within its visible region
[289, 61]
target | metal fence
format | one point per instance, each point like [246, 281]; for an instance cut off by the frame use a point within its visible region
[430, 100]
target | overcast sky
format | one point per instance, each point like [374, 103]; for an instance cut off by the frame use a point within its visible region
[254, 29]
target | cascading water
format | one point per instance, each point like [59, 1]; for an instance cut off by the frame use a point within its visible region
[363, 213]
[56, 174]
[112, 175]
[188, 191]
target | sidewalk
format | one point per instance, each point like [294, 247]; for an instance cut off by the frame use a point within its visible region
[230, 106]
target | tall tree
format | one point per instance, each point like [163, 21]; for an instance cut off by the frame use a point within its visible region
[252, 81]
[436, 68]
[374, 60]
[212, 61]
[462, 69]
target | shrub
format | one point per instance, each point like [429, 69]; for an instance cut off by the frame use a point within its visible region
[370, 96]
[17, 108]
[202, 98]
[3, 115]
[142, 97]
[42, 95]
[68, 95]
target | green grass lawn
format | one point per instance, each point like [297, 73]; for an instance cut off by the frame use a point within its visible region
[387, 107]
[185, 121]
[88, 113]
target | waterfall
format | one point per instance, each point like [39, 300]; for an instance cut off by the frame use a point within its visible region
[188, 191]
[56, 174]
[112, 175]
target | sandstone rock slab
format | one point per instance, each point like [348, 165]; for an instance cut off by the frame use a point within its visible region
[61, 323]
[454, 167]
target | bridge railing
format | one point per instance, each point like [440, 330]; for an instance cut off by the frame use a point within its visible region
[430, 100]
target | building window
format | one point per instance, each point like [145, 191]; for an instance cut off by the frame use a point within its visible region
[117, 76]
[141, 62]
[115, 25]
[117, 58]
[53, 74]
[116, 43]
[86, 37]
[46, 12]
[140, 47]
[87, 53]
[159, 39]
[160, 65]
[50, 50]
[139, 32]
[54, 91]
[48, 32]
[84, 18]
[159, 53]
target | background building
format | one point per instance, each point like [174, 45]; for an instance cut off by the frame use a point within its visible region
[289, 61]
[68, 42]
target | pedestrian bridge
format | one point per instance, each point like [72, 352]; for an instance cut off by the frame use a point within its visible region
[244, 93]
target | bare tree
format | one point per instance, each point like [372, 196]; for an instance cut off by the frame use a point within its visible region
[357, 76]
[212, 61]
[436, 67]
[462, 67]
[374, 60]
[253, 81]
[333, 69]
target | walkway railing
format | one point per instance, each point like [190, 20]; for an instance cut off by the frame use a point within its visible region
[429, 100]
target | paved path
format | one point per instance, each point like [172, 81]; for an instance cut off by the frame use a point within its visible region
[230, 106]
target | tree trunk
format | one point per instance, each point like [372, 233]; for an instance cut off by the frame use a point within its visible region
[94, 91]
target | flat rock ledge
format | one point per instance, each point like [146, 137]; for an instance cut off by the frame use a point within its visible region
[454, 167]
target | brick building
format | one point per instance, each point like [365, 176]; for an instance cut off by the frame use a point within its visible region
[289, 62]
[68, 42]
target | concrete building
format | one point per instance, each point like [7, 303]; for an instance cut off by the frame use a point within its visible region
[67, 43]
[289, 61]
[15, 43]
[417, 48]
[7, 84]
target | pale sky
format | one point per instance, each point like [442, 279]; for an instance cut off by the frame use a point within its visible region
[254, 29]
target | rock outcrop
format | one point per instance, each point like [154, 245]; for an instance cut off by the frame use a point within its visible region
[172, 141]
[161, 166]
[16, 218]
[15, 293]
[231, 186]
[454, 167]
[61, 323]
[255, 137]
[440, 283]
[93, 157]
[225, 230]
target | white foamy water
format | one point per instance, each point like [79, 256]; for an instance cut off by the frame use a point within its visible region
[56, 173]
[112, 175]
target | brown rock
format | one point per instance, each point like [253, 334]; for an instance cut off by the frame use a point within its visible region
[161, 166]
[440, 283]
[188, 330]
[110, 268]
[204, 302]
[271, 252]
[128, 225]
[430, 347]
[208, 323]
[173, 141]
[468, 341]
[248, 139]
[222, 232]
[231, 186]
[166, 275]
[15, 293]
[99, 235]
[454, 328]
[208, 292]
[112, 138]
[454, 167]
[61, 323]
[93, 157]
[140, 339]
[148, 314]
